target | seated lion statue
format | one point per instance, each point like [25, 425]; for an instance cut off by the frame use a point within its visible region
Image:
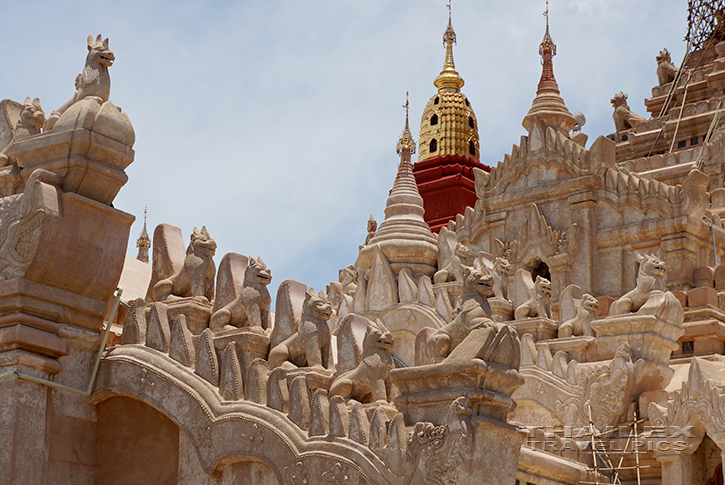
[196, 277]
[251, 307]
[650, 296]
[666, 71]
[472, 333]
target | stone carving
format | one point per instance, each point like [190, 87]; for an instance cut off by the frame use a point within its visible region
[372, 227]
[451, 256]
[437, 452]
[533, 299]
[19, 236]
[650, 296]
[196, 277]
[471, 333]
[369, 381]
[251, 307]
[309, 345]
[337, 475]
[500, 270]
[666, 71]
[699, 401]
[577, 312]
[624, 119]
[93, 81]
[29, 122]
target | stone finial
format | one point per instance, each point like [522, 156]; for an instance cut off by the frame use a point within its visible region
[406, 144]
[143, 243]
[548, 105]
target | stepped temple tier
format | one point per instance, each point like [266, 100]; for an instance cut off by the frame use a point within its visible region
[557, 318]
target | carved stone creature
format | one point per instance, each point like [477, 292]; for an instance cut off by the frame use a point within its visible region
[537, 294]
[93, 81]
[196, 277]
[500, 270]
[451, 255]
[471, 333]
[437, 453]
[666, 71]
[577, 312]
[372, 227]
[624, 119]
[30, 119]
[370, 380]
[650, 296]
[309, 346]
[251, 307]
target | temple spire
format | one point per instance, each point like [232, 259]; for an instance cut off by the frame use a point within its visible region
[406, 144]
[548, 105]
[143, 243]
[449, 80]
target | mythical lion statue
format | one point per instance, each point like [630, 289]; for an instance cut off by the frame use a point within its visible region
[369, 381]
[500, 270]
[666, 71]
[536, 296]
[93, 81]
[650, 296]
[624, 119]
[29, 121]
[451, 256]
[577, 312]
[309, 345]
[472, 333]
[196, 277]
[251, 307]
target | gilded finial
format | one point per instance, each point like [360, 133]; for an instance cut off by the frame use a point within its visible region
[547, 44]
[143, 243]
[449, 80]
[406, 144]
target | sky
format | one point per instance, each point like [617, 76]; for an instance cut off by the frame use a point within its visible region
[274, 122]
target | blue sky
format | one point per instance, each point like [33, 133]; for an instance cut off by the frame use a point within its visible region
[274, 122]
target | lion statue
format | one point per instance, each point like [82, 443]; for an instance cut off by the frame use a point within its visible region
[472, 333]
[666, 71]
[251, 307]
[369, 381]
[624, 119]
[30, 120]
[309, 345]
[451, 255]
[93, 81]
[196, 277]
[650, 295]
[500, 270]
[577, 312]
[537, 296]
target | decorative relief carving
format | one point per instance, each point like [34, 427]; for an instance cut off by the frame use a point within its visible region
[338, 475]
[19, 235]
[145, 382]
[297, 474]
[255, 438]
[204, 437]
[437, 452]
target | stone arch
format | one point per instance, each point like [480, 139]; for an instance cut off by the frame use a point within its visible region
[223, 433]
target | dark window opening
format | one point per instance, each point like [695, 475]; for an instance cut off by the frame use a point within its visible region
[688, 347]
[694, 141]
[540, 269]
[467, 103]
[471, 148]
[625, 138]
[433, 145]
[470, 121]
[681, 144]
[434, 120]
[437, 100]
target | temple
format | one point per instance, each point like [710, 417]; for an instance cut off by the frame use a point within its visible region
[556, 319]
